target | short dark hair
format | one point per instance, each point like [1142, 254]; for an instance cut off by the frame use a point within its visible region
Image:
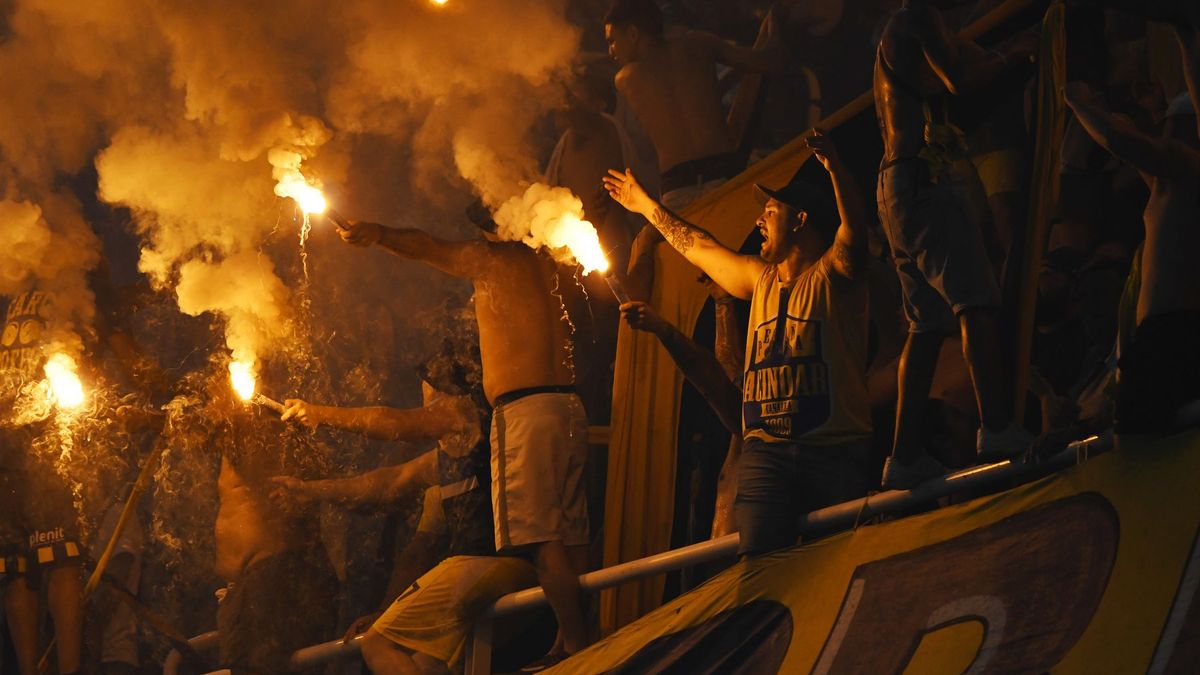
[645, 14]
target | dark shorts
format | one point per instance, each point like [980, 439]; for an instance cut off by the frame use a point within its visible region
[1158, 373]
[276, 606]
[779, 482]
[937, 242]
[39, 526]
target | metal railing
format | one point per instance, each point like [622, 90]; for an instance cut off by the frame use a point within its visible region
[826, 521]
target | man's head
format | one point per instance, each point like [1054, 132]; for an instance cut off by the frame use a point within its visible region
[630, 26]
[793, 216]
[454, 369]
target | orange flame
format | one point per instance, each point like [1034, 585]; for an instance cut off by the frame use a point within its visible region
[241, 376]
[65, 387]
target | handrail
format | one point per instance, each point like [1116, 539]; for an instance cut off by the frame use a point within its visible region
[837, 517]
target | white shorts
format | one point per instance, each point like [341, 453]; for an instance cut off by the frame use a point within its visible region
[539, 453]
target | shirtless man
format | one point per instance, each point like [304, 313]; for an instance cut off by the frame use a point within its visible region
[539, 427]
[671, 84]
[805, 419]
[944, 271]
[281, 585]
[1160, 369]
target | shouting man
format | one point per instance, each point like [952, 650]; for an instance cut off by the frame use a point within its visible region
[805, 420]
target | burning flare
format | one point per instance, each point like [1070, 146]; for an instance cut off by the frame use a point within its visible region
[241, 376]
[308, 198]
[65, 387]
[580, 237]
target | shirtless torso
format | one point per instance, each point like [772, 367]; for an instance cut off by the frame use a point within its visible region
[523, 338]
[902, 77]
[250, 527]
[675, 93]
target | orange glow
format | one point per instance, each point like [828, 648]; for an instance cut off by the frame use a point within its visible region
[308, 197]
[65, 386]
[580, 237]
[241, 376]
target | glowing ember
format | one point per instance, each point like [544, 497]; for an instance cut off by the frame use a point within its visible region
[65, 386]
[580, 237]
[439, 3]
[241, 376]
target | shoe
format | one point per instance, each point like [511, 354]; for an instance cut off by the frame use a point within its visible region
[897, 476]
[997, 446]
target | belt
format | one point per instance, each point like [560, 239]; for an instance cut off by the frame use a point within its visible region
[518, 394]
[899, 160]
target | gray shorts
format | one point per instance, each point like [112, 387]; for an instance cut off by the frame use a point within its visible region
[937, 243]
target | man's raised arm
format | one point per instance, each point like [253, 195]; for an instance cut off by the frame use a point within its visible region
[848, 253]
[1154, 156]
[460, 258]
[732, 271]
[433, 421]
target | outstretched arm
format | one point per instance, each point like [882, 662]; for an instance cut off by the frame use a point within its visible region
[447, 414]
[734, 272]
[460, 258]
[381, 486]
[699, 365]
[848, 254]
[1155, 156]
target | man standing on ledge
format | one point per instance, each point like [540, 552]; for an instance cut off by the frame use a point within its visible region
[938, 249]
[539, 428]
[805, 417]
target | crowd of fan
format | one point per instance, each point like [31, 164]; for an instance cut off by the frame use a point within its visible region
[857, 347]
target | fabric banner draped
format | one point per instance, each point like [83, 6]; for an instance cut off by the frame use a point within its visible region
[1093, 569]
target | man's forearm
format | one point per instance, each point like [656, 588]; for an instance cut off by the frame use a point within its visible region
[729, 347]
[405, 242]
[368, 488]
[701, 368]
[390, 424]
[680, 234]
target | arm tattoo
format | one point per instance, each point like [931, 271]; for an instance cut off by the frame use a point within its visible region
[846, 260]
[679, 234]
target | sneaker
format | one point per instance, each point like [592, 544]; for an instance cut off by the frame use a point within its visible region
[997, 446]
[897, 476]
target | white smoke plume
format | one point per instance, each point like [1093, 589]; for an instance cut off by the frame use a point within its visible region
[186, 102]
[552, 217]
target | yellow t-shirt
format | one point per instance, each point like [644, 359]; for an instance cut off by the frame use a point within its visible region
[805, 377]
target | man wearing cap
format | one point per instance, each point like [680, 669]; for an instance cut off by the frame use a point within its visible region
[805, 416]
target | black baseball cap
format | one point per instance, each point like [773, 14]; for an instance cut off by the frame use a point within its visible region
[801, 195]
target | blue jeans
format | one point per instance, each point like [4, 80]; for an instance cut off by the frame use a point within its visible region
[779, 482]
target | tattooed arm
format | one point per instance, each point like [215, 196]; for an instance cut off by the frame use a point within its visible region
[734, 272]
[848, 254]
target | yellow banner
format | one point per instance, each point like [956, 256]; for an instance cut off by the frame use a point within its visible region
[1091, 570]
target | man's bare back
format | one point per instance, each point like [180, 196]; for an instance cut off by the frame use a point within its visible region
[677, 98]
[249, 528]
[902, 77]
[523, 338]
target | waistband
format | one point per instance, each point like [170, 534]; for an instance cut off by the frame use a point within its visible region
[518, 394]
[699, 170]
[883, 166]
